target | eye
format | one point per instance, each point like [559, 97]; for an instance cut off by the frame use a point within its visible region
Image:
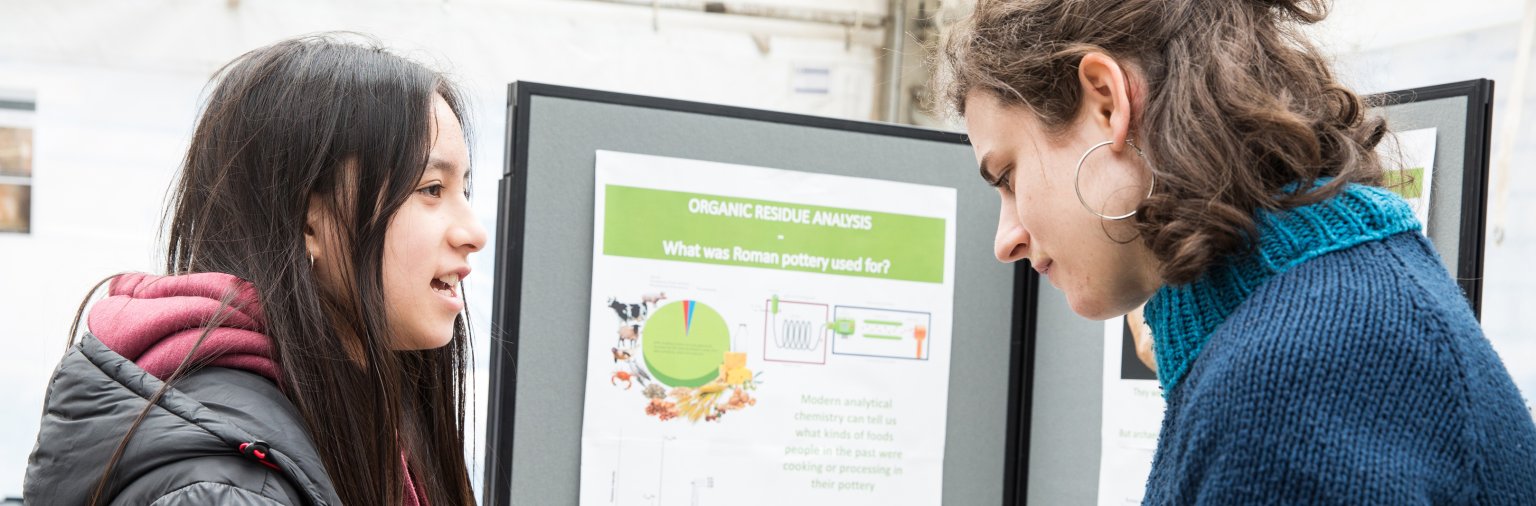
[434, 191]
[1004, 181]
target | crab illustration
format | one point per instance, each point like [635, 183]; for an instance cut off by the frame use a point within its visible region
[621, 376]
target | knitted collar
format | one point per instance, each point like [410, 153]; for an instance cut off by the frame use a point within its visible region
[1184, 317]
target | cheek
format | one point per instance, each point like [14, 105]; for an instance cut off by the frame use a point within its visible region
[397, 286]
[1032, 192]
[1108, 282]
[398, 265]
[1045, 190]
[408, 246]
[407, 272]
[1042, 212]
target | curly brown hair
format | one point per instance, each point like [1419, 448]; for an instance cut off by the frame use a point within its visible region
[1238, 105]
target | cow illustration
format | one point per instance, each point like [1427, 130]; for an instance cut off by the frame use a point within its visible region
[628, 312]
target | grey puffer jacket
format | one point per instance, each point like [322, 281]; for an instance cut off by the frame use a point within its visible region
[187, 451]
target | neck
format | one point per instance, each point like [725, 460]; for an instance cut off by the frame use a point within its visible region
[1183, 317]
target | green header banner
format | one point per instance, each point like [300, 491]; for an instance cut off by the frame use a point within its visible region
[712, 229]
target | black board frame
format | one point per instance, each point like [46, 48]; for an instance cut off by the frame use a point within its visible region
[1474, 182]
[505, 312]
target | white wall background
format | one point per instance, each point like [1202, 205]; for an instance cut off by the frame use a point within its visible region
[117, 85]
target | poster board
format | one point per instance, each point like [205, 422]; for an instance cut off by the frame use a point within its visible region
[542, 351]
[1462, 115]
[1070, 354]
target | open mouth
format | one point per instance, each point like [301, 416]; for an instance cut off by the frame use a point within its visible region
[447, 285]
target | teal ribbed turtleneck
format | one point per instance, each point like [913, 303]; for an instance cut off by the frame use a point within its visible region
[1183, 317]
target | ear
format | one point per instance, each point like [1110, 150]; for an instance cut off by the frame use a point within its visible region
[1106, 97]
[315, 219]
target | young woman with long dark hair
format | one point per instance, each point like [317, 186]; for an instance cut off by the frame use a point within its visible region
[307, 341]
[1199, 156]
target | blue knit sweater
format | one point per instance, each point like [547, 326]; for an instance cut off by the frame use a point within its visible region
[1337, 363]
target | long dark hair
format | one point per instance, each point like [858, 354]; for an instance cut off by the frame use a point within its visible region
[347, 122]
[1239, 105]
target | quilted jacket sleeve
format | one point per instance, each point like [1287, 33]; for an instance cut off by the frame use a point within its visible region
[231, 480]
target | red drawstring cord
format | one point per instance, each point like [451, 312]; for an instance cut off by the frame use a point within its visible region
[258, 450]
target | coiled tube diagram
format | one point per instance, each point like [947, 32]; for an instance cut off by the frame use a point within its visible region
[795, 331]
[798, 335]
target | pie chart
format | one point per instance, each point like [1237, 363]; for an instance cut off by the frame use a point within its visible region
[684, 343]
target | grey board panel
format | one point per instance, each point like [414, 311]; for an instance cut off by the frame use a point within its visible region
[1065, 418]
[563, 135]
[1449, 118]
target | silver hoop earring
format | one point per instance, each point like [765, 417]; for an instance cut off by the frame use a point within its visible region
[311, 261]
[1078, 187]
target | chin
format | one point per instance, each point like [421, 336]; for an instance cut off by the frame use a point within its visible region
[436, 342]
[1091, 312]
[427, 341]
[1095, 308]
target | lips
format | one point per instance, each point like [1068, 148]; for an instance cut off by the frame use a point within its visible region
[447, 285]
[1043, 267]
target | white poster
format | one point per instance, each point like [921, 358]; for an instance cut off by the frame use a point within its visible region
[764, 336]
[1133, 414]
[1409, 160]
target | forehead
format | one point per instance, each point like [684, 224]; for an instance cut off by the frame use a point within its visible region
[988, 120]
[450, 152]
[445, 124]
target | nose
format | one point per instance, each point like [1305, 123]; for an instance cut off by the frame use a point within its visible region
[1012, 241]
[467, 233]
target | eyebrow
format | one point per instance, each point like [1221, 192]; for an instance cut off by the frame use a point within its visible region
[445, 167]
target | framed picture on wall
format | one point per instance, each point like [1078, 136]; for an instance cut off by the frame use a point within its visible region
[16, 163]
